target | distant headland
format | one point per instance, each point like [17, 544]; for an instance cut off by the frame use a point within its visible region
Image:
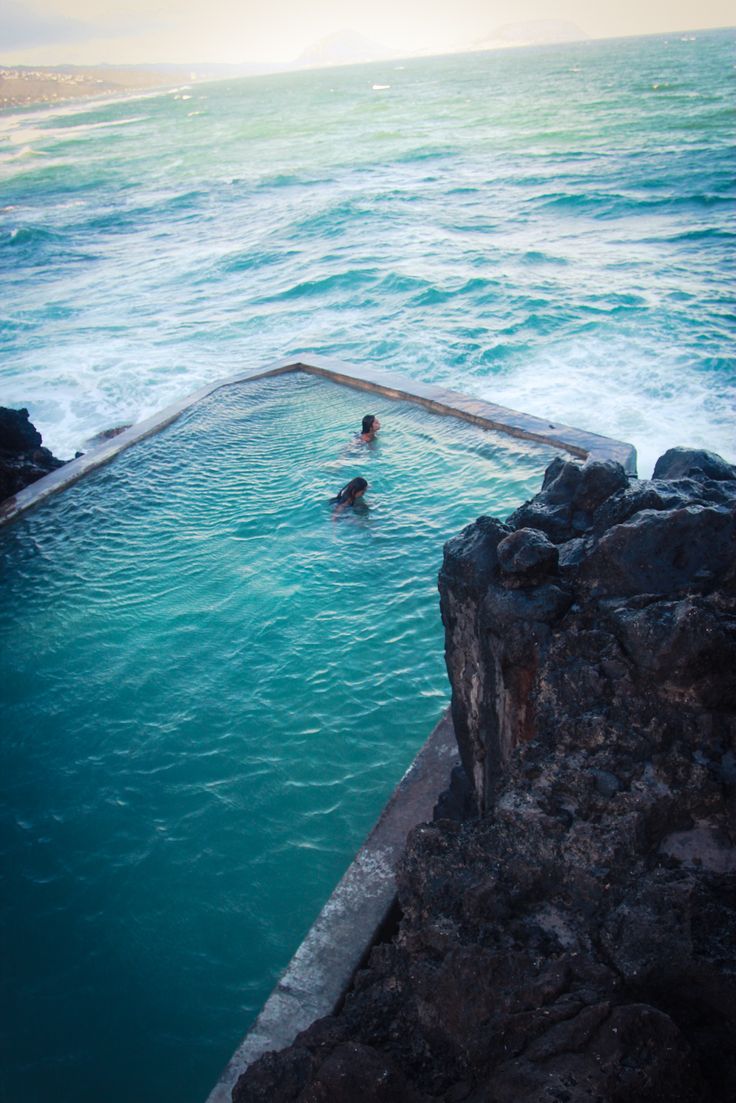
[26, 85]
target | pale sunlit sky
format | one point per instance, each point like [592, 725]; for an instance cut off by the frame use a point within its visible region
[88, 32]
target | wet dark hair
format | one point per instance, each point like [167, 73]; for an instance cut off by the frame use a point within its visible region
[350, 490]
[368, 422]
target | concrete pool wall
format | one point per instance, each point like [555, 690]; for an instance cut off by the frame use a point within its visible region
[486, 415]
[320, 973]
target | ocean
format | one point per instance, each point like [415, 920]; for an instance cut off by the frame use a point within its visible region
[549, 228]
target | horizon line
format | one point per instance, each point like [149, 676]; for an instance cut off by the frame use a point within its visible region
[277, 67]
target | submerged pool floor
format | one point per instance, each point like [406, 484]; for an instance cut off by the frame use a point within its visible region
[210, 688]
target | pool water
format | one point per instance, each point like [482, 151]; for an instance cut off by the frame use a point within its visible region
[210, 688]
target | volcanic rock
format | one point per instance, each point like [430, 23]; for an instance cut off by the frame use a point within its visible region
[573, 940]
[23, 459]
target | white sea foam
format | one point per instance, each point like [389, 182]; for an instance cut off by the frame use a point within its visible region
[466, 252]
[21, 154]
[25, 135]
[621, 389]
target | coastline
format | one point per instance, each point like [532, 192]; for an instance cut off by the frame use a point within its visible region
[46, 88]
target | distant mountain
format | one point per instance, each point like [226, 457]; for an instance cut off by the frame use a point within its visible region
[537, 32]
[341, 48]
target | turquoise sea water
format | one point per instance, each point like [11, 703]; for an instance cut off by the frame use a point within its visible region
[548, 228]
[211, 687]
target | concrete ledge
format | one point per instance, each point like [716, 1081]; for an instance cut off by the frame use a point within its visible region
[438, 399]
[475, 410]
[323, 967]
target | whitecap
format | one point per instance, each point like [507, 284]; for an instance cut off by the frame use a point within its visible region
[25, 151]
[647, 400]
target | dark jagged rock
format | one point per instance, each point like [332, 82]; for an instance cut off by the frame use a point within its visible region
[678, 463]
[17, 434]
[526, 556]
[575, 942]
[23, 459]
[570, 495]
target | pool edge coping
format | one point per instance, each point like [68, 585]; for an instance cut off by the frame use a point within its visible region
[440, 400]
[321, 971]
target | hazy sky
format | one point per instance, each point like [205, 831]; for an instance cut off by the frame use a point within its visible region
[119, 31]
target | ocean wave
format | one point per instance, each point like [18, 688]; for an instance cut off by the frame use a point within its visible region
[255, 259]
[536, 256]
[290, 180]
[427, 154]
[349, 280]
[401, 283]
[101, 124]
[479, 288]
[20, 154]
[618, 204]
[701, 236]
[31, 236]
[330, 221]
[126, 216]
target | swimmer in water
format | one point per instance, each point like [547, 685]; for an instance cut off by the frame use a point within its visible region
[351, 493]
[370, 427]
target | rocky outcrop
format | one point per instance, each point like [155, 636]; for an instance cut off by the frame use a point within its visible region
[602, 602]
[23, 459]
[575, 940]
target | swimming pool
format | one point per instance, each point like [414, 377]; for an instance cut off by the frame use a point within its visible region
[210, 688]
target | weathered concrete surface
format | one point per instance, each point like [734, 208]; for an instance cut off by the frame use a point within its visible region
[323, 967]
[438, 399]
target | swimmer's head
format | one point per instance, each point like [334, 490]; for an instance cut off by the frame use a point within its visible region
[353, 490]
[371, 424]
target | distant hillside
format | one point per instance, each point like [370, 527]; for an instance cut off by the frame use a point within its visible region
[341, 48]
[25, 85]
[537, 32]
